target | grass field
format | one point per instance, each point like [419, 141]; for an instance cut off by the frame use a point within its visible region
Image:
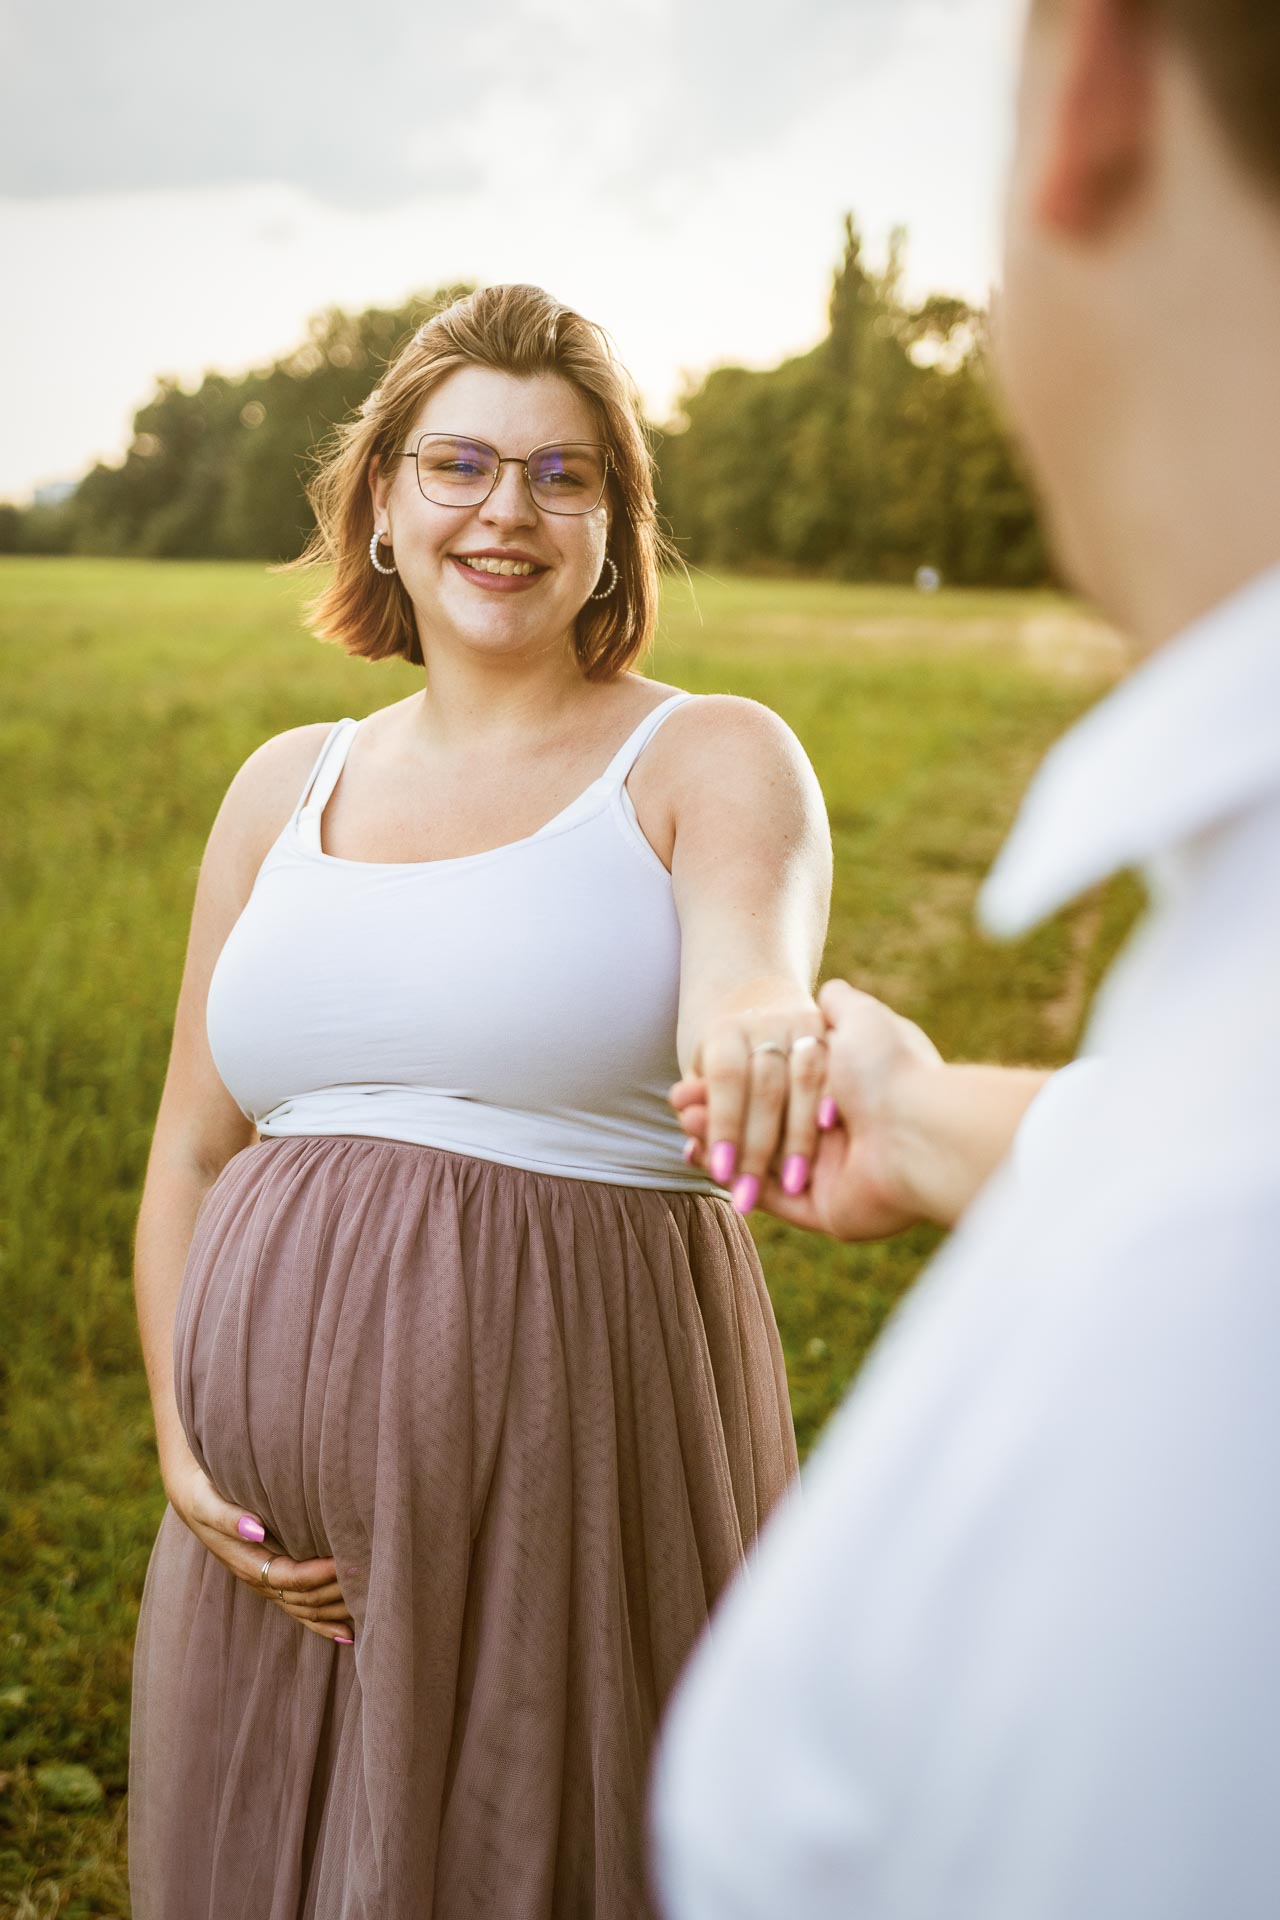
[129, 693]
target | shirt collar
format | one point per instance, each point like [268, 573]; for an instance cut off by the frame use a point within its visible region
[1190, 738]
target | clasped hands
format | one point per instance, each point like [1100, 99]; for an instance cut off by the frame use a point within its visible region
[803, 1108]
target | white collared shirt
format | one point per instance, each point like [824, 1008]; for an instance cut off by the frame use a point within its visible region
[1012, 1650]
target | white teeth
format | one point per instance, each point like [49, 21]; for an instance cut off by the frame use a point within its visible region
[484, 563]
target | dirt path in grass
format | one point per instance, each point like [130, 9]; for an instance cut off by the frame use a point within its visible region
[1068, 645]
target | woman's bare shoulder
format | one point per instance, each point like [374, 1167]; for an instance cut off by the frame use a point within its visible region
[283, 756]
[722, 763]
[726, 735]
[263, 793]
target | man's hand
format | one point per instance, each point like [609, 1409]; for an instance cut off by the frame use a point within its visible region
[909, 1138]
[855, 1191]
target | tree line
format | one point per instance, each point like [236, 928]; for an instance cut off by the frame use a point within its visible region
[878, 452]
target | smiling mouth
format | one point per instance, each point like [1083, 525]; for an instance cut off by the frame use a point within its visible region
[486, 563]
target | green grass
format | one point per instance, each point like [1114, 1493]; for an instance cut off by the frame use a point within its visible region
[130, 692]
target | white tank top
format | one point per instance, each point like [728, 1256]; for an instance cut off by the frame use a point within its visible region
[518, 1004]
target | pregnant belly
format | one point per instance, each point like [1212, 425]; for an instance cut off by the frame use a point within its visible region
[318, 1346]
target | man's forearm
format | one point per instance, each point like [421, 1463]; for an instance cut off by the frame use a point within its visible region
[950, 1127]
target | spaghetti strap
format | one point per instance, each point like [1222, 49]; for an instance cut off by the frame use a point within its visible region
[322, 779]
[629, 752]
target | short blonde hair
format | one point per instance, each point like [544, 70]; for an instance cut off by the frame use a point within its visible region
[519, 330]
[1234, 46]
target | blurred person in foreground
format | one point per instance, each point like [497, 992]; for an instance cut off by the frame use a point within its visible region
[1014, 1652]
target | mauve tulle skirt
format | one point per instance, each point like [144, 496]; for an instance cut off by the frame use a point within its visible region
[536, 1421]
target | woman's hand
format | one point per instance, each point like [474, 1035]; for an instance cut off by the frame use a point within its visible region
[759, 1074]
[307, 1590]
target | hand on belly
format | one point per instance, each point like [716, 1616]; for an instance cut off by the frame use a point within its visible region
[307, 1590]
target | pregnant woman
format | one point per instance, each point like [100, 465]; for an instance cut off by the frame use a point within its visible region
[468, 1392]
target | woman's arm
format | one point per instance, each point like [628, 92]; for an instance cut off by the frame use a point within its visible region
[751, 871]
[198, 1126]
[198, 1129]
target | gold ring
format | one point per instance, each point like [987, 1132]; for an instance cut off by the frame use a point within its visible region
[770, 1046]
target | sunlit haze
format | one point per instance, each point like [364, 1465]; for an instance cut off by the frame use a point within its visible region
[668, 166]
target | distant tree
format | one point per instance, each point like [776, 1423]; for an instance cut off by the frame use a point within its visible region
[877, 452]
[43, 528]
[221, 471]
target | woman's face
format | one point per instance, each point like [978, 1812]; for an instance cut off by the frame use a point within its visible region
[492, 612]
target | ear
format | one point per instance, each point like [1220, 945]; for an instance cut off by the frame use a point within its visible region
[379, 488]
[1099, 147]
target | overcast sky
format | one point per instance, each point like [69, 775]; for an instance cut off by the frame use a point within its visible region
[179, 189]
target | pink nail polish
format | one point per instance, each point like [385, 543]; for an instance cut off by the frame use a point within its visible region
[343, 1640]
[828, 1114]
[745, 1193]
[688, 1150]
[795, 1172]
[249, 1529]
[724, 1158]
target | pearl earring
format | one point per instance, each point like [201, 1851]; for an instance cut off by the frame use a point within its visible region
[373, 552]
[604, 592]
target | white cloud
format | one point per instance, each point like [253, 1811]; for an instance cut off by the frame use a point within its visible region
[413, 99]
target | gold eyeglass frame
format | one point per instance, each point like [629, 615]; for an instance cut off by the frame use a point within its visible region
[511, 460]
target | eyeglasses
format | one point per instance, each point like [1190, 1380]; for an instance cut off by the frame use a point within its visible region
[563, 477]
